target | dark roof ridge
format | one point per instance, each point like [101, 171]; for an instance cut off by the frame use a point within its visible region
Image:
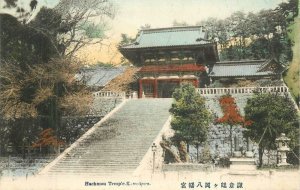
[171, 28]
[242, 61]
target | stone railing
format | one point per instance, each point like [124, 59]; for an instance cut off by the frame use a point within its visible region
[242, 90]
[109, 94]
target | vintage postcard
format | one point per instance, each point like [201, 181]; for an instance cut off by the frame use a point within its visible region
[140, 94]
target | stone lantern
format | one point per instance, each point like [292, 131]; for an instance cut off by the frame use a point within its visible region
[282, 149]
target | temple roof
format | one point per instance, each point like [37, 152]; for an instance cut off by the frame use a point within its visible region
[166, 37]
[100, 76]
[246, 68]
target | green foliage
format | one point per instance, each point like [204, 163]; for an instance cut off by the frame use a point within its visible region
[224, 162]
[48, 21]
[126, 39]
[177, 23]
[93, 30]
[261, 35]
[190, 116]
[22, 133]
[271, 115]
[23, 43]
[206, 156]
[291, 76]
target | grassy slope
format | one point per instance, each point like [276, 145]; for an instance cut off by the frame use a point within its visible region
[291, 77]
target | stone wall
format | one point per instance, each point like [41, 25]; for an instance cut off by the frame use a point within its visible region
[74, 127]
[77, 126]
[219, 143]
[218, 136]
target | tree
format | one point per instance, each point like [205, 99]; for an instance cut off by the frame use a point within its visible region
[231, 115]
[23, 44]
[47, 138]
[37, 62]
[271, 114]
[85, 23]
[191, 118]
[19, 9]
[126, 39]
[177, 23]
[42, 91]
[261, 35]
[145, 26]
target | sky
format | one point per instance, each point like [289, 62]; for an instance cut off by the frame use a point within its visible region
[132, 14]
[161, 13]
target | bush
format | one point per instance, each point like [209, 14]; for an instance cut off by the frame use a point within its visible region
[224, 162]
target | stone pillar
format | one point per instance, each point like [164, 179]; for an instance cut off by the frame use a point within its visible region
[249, 153]
[237, 153]
[248, 144]
[236, 143]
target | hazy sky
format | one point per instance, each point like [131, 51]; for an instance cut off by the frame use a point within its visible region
[131, 14]
[161, 13]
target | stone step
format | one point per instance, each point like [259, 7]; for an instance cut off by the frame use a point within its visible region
[116, 165]
[85, 172]
[242, 161]
[98, 162]
[119, 143]
[100, 171]
[112, 166]
[243, 167]
[103, 154]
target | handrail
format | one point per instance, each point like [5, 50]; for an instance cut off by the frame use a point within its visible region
[109, 94]
[242, 90]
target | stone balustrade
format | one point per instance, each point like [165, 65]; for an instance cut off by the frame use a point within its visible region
[109, 94]
[242, 90]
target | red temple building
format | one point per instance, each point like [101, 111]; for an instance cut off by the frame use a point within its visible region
[170, 56]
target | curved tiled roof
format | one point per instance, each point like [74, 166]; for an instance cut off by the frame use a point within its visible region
[166, 37]
[242, 69]
[100, 76]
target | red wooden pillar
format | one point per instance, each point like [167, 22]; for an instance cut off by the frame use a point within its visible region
[140, 88]
[155, 88]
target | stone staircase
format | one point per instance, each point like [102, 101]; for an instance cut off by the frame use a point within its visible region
[119, 144]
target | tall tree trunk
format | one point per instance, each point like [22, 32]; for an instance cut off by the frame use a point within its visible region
[197, 147]
[183, 153]
[260, 156]
[167, 148]
[23, 139]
